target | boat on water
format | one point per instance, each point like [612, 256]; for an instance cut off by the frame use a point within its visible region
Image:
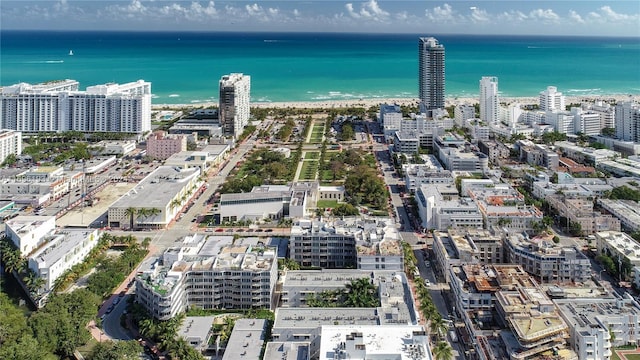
[70, 52]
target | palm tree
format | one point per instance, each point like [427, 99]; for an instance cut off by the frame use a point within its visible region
[131, 212]
[438, 326]
[174, 204]
[443, 351]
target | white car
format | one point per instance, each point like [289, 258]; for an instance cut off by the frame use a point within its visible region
[427, 282]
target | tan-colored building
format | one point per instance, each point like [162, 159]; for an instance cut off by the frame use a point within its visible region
[580, 210]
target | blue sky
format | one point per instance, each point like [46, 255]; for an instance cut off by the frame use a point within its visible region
[524, 17]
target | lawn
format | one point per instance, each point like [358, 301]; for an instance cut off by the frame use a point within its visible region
[615, 356]
[317, 132]
[311, 155]
[308, 171]
[327, 203]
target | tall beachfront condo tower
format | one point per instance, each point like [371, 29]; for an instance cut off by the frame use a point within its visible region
[431, 73]
[551, 100]
[627, 117]
[235, 91]
[489, 110]
[59, 106]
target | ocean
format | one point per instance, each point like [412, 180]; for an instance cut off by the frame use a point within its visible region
[185, 67]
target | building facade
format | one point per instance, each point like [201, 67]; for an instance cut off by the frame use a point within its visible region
[551, 99]
[161, 145]
[10, 144]
[60, 106]
[235, 92]
[431, 78]
[489, 102]
[627, 121]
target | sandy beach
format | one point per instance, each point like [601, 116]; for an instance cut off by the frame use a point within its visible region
[367, 103]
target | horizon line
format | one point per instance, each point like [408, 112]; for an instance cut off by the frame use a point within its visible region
[313, 32]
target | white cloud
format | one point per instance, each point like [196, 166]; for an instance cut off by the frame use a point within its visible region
[605, 15]
[512, 17]
[369, 10]
[575, 17]
[480, 16]
[544, 15]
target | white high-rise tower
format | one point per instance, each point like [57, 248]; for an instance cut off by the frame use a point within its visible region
[234, 113]
[489, 104]
[551, 100]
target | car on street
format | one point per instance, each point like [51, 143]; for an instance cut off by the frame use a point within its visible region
[109, 309]
[427, 282]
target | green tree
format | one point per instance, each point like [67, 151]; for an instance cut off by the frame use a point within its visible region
[131, 212]
[109, 350]
[443, 351]
[344, 209]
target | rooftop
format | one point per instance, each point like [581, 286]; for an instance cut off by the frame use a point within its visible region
[374, 342]
[246, 339]
[62, 243]
[158, 188]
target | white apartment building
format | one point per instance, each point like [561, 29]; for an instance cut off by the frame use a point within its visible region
[627, 211]
[462, 113]
[59, 106]
[64, 249]
[511, 114]
[235, 95]
[440, 208]
[598, 325]
[618, 246]
[209, 273]
[352, 242]
[627, 121]
[27, 232]
[121, 148]
[606, 111]
[430, 172]
[586, 122]
[489, 100]
[562, 121]
[551, 99]
[360, 342]
[10, 143]
[548, 262]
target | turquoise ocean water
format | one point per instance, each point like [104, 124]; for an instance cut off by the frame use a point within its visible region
[185, 67]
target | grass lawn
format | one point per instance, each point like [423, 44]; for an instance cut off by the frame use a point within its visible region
[308, 171]
[615, 356]
[327, 176]
[312, 155]
[327, 203]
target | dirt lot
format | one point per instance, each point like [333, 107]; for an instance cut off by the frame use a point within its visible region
[89, 214]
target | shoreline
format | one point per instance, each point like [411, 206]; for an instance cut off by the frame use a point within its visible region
[367, 103]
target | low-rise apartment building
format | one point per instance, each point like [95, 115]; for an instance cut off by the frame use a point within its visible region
[618, 246]
[503, 206]
[208, 274]
[428, 173]
[440, 208]
[598, 325]
[580, 211]
[627, 211]
[534, 321]
[366, 244]
[474, 285]
[161, 145]
[548, 262]
[62, 250]
[28, 232]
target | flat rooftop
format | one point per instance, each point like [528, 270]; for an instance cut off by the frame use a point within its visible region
[407, 342]
[158, 188]
[62, 243]
[246, 340]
